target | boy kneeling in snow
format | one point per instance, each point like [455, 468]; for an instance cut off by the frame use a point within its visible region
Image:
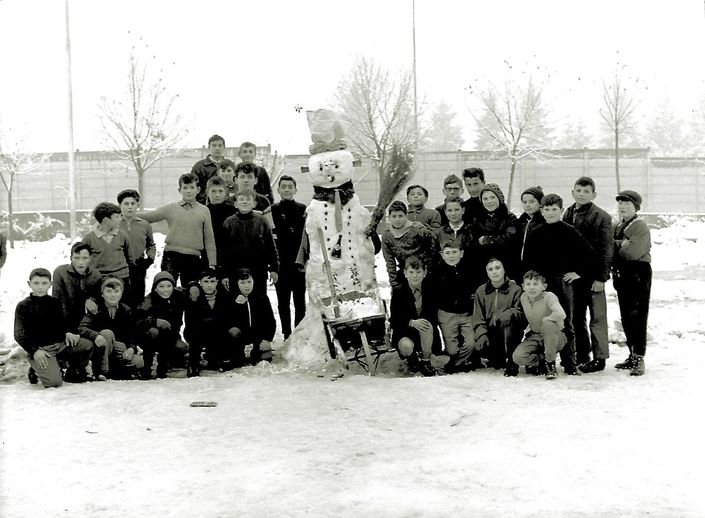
[254, 321]
[42, 331]
[159, 321]
[545, 316]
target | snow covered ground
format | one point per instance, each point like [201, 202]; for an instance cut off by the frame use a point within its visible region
[283, 442]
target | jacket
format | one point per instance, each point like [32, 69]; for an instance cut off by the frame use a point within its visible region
[204, 169]
[491, 302]
[122, 326]
[204, 322]
[595, 225]
[417, 241]
[556, 249]
[155, 307]
[73, 289]
[249, 244]
[499, 228]
[456, 287]
[39, 321]
[526, 224]
[289, 218]
[255, 319]
[430, 218]
[403, 308]
[638, 247]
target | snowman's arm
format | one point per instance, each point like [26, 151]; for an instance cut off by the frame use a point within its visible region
[376, 242]
[304, 250]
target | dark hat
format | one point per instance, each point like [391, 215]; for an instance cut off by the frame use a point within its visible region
[631, 196]
[493, 187]
[536, 192]
[163, 276]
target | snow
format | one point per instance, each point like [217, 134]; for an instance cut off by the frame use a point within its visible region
[287, 442]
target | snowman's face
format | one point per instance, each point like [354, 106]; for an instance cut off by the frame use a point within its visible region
[331, 169]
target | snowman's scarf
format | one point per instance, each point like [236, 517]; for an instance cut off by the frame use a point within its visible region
[338, 196]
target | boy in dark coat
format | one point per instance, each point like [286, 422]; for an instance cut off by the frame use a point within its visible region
[254, 322]
[210, 325]
[289, 220]
[208, 167]
[42, 331]
[159, 321]
[413, 317]
[77, 285]
[529, 220]
[111, 330]
[220, 211]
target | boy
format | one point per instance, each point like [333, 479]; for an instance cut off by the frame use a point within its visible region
[595, 225]
[226, 171]
[77, 285]
[220, 211]
[458, 231]
[632, 278]
[455, 307]
[249, 244]
[530, 219]
[474, 179]
[254, 322]
[142, 247]
[110, 246]
[247, 153]
[561, 255]
[208, 167]
[413, 317]
[289, 218]
[401, 240]
[545, 316]
[417, 196]
[159, 319]
[246, 180]
[190, 233]
[210, 326]
[497, 320]
[452, 186]
[110, 331]
[42, 331]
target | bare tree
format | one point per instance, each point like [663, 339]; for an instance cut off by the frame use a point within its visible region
[142, 127]
[617, 111]
[381, 110]
[442, 133]
[15, 161]
[511, 120]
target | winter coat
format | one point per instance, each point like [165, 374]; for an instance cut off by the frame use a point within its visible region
[157, 307]
[73, 289]
[557, 248]
[204, 169]
[595, 225]
[255, 319]
[219, 213]
[203, 322]
[289, 218]
[526, 224]
[499, 228]
[491, 303]
[249, 244]
[122, 325]
[639, 246]
[430, 218]
[39, 321]
[417, 241]
[456, 287]
[403, 308]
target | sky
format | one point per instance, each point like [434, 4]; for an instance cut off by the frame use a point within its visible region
[240, 68]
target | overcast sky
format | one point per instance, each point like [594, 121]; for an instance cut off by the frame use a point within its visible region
[241, 67]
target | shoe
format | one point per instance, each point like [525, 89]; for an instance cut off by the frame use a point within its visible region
[413, 363]
[145, 374]
[426, 369]
[511, 370]
[100, 377]
[450, 367]
[551, 370]
[32, 376]
[596, 365]
[638, 366]
[626, 364]
[570, 370]
[76, 376]
[192, 372]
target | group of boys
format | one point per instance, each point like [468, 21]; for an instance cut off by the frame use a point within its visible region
[453, 268]
[450, 268]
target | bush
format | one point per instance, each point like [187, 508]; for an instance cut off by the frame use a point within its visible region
[41, 228]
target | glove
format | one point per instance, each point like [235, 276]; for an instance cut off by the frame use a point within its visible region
[482, 342]
[194, 292]
[163, 325]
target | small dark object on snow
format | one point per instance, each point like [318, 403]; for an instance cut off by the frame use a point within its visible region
[204, 403]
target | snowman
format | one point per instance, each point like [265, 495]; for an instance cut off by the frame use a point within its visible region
[340, 267]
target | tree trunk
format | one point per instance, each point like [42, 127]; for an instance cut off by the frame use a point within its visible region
[511, 184]
[616, 159]
[10, 218]
[140, 184]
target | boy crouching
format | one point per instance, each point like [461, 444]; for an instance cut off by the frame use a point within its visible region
[545, 316]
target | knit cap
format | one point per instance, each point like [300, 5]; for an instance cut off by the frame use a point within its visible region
[493, 187]
[109, 280]
[536, 192]
[162, 276]
[631, 196]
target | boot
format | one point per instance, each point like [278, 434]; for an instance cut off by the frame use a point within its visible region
[426, 369]
[551, 370]
[32, 376]
[511, 370]
[596, 365]
[626, 364]
[76, 375]
[570, 369]
[638, 367]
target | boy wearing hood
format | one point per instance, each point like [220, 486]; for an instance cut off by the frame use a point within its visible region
[159, 321]
[254, 322]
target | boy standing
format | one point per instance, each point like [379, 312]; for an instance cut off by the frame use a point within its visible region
[497, 320]
[190, 232]
[632, 278]
[402, 240]
[220, 211]
[452, 187]
[208, 167]
[417, 196]
[247, 153]
[530, 219]
[413, 317]
[77, 285]
[474, 179]
[246, 180]
[142, 247]
[226, 171]
[595, 225]
[560, 267]
[159, 319]
[110, 246]
[254, 322]
[249, 244]
[545, 317]
[42, 331]
[455, 307]
[289, 218]
[110, 329]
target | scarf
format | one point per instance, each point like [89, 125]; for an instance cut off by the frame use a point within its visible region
[337, 195]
